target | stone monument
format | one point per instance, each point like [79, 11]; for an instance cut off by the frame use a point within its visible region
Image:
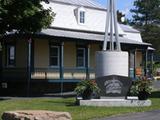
[112, 69]
[112, 63]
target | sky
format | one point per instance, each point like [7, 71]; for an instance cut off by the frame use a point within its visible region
[122, 5]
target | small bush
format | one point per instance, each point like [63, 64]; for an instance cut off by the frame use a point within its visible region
[141, 86]
[86, 88]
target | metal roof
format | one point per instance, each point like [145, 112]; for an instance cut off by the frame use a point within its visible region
[85, 3]
[84, 35]
[151, 49]
[127, 28]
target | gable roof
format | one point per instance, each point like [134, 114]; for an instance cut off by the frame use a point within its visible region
[85, 3]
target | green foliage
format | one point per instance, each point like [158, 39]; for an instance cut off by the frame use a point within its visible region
[86, 85]
[146, 11]
[24, 16]
[147, 19]
[150, 34]
[156, 65]
[141, 85]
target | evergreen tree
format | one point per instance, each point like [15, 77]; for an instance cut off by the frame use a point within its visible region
[146, 11]
[147, 19]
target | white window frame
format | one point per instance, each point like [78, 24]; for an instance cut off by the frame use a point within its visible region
[79, 17]
[84, 58]
[58, 57]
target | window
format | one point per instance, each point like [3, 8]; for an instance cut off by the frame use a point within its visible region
[80, 57]
[54, 56]
[82, 17]
[10, 55]
[80, 14]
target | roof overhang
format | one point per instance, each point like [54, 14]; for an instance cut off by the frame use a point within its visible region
[84, 35]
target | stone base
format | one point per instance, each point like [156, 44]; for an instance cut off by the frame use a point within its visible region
[115, 103]
[35, 115]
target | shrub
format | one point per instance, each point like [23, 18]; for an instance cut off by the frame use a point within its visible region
[86, 88]
[141, 88]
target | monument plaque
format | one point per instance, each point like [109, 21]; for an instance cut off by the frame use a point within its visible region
[114, 86]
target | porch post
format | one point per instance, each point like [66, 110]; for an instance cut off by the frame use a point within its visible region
[32, 55]
[88, 63]
[146, 61]
[135, 53]
[29, 67]
[152, 60]
[1, 52]
[62, 66]
[132, 64]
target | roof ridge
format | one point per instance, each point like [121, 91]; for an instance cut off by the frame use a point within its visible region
[85, 3]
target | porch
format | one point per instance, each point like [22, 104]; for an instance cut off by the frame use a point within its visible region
[57, 64]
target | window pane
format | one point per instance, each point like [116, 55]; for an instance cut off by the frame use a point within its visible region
[80, 62]
[54, 55]
[81, 57]
[82, 17]
[54, 51]
[80, 53]
[54, 61]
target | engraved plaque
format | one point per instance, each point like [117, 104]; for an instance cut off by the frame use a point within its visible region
[114, 86]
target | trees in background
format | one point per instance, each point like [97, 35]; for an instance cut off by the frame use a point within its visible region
[147, 19]
[24, 16]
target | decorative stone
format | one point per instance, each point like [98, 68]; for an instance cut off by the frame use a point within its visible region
[35, 115]
[114, 86]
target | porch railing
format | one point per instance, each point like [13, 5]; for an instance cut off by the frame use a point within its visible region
[49, 73]
[55, 73]
[68, 73]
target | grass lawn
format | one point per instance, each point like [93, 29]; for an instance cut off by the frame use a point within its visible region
[77, 112]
